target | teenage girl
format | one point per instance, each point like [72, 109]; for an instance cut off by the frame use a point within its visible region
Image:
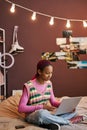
[36, 93]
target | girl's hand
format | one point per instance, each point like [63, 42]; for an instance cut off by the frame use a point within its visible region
[48, 107]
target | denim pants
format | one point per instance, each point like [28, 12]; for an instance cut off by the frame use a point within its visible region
[43, 116]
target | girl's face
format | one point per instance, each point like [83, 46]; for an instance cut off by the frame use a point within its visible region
[46, 74]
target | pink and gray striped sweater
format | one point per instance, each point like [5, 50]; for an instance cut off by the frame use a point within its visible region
[35, 94]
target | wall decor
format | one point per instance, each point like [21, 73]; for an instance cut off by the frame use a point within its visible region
[71, 50]
[15, 47]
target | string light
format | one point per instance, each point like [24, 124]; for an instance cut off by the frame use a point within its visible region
[85, 24]
[33, 17]
[46, 15]
[51, 21]
[12, 9]
[68, 24]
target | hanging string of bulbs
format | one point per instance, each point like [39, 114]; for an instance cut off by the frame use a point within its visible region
[52, 18]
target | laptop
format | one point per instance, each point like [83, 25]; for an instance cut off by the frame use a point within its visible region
[67, 105]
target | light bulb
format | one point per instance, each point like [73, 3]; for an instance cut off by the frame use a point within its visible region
[68, 24]
[33, 17]
[85, 24]
[51, 21]
[12, 9]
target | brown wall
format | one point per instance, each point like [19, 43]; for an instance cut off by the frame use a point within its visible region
[37, 37]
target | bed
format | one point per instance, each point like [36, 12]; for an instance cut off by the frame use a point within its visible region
[10, 117]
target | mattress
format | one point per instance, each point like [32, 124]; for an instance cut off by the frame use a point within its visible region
[10, 117]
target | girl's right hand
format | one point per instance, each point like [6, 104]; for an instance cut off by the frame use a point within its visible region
[48, 107]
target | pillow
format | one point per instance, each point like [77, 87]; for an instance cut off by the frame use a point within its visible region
[9, 107]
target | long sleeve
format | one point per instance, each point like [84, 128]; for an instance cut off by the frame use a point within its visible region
[23, 107]
[53, 100]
